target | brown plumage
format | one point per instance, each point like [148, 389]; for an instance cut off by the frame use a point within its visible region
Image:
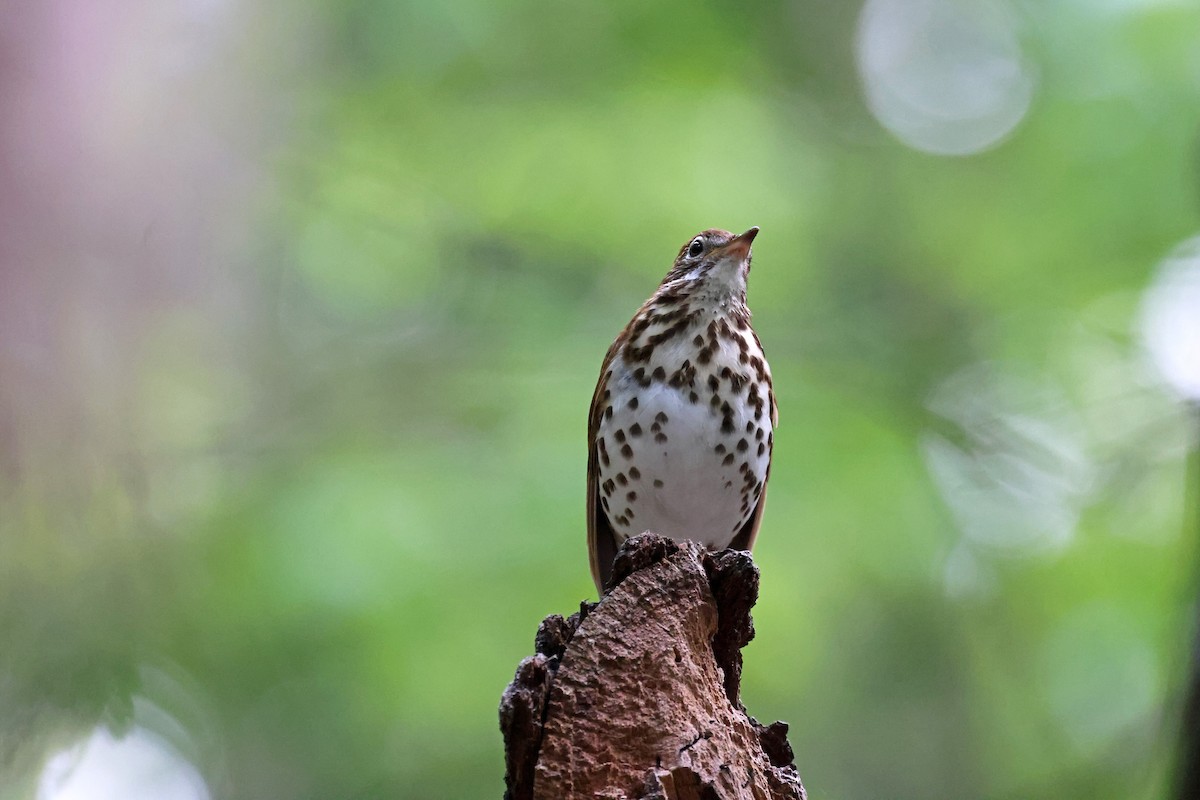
[681, 425]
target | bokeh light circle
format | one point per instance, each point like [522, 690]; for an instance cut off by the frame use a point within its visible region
[943, 76]
[1170, 319]
[139, 765]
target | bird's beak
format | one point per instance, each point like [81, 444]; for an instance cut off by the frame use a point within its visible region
[739, 246]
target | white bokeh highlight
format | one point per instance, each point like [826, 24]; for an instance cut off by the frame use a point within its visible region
[946, 77]
[1170, 319]
[137, 766]
[1016, 472]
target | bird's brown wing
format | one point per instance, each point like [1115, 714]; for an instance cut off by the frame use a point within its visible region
[749, 532]
[602, 543]
[746, 536]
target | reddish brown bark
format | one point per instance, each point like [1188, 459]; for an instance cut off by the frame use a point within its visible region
[637, 696]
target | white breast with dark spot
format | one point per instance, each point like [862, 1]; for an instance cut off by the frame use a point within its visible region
[676, 462]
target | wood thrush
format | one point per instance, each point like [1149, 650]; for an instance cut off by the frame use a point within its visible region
[681, 424]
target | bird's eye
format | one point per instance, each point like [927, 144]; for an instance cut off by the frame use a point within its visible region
[696, 247]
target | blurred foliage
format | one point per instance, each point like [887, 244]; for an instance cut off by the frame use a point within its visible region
[292, 414]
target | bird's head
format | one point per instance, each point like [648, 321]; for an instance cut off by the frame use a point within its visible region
[715, 259]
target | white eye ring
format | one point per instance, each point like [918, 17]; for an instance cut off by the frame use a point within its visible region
[695, 248]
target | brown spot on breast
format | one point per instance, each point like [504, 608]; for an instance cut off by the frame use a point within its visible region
[715, 401]
[749, 426]
[758, 434]
[634, 430]
[633, 403]
[619, 435]
[626, 451]
[674, 330]
[704, 356]
[761, 449]
[660, 374]
[604, 502]
[743, 445]
[658, 484]
[698, 341]
[621, 479]
[720, 448]
[727, 425]
[668, 298]
[608, 486]
[727, 460]
[655, 427]
[685, 374]
[634, 473]
[714, 383]
[660, 437]
[608, 412]
[661, 417]
[693, 397]
[631, 496]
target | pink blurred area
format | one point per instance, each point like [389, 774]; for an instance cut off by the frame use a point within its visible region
[132, 148]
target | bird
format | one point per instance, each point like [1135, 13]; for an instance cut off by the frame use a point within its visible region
[681, 424]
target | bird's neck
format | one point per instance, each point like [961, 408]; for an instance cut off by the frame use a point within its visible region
[683, 319]
[706, 295]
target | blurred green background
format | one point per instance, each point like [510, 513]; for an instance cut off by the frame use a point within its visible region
[301, 307]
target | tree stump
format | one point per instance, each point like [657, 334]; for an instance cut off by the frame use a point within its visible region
[638, 696]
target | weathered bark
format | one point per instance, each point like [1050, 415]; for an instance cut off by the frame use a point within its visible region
[638, 696]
